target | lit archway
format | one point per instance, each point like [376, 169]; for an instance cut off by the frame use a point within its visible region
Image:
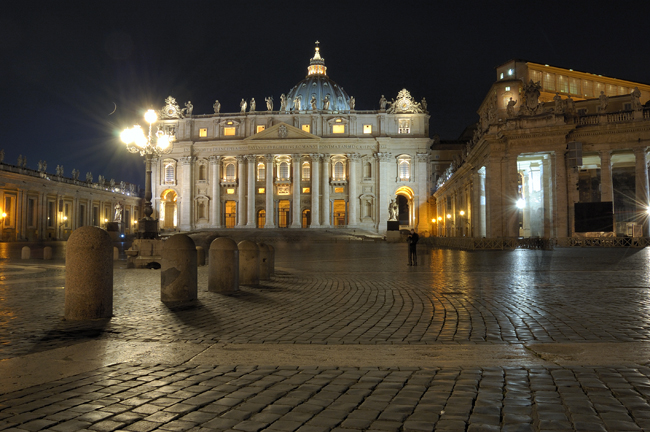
[406, 205]
[168, 214]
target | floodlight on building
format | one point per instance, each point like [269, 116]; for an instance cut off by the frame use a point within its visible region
[462, 212]
[521, 203]
[439, 218]
[448, 216]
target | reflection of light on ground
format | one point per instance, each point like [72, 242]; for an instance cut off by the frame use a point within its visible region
[4, 250]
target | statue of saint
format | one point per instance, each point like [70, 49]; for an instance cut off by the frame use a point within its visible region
[189, 108]
[423, 104]
[604, 100]
[269, 103]
[326, 103]
[393, 210]
[558, 103]
[382, 103]
[570, 105]
[510, 109]
[283, 103]
[216, 106]
[118, 213]
[352, 102]
[313, 102]
[243, 105]
[636, 103]
[253, 105]
[296, 104]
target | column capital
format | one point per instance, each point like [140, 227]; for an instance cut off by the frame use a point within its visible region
[354, 157]
[315, 157]
[250, 158]
[422, 157]
[384, 156]
[240, 159]
[295, 158]
[268, 158]
[186, 160]
[215, 159]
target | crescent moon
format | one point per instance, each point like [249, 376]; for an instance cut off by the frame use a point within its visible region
[115, 108]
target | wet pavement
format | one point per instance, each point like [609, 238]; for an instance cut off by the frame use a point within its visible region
[346, 336]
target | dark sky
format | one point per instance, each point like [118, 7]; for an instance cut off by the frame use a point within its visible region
[63, 64]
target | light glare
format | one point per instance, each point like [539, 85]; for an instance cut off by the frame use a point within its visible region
[150, 116]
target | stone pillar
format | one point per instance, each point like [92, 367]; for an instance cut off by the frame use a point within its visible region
[186, 201]
[562, 200]
[493, 197]
[325, 187]
[315, 188]
[475, 204]
[89, 274]
[250, 205]
[296, 178]
[606, 188]
[511, 212]
[223, 261]
[573, 196]
[423, 221]
[178, 272]
[241, 189]
[383, 181]
[641, 185]
[353, 198]
[269, 191]
[156, 186]
[249, 263]
[215, 204]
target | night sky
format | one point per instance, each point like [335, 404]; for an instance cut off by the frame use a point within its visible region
[65, 66]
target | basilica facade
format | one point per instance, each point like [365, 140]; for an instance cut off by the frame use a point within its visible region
[316, 161]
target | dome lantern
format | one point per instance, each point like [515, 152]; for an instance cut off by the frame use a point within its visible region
[317, 64]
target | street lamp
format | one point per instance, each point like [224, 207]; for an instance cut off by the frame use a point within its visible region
[137, 142]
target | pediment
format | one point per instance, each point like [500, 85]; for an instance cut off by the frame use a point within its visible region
[282, 131]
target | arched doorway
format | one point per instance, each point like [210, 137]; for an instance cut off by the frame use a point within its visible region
[338, 212]
[406, 216]
[284, 210]
[231, 214]
[168, 213]
[306, 218]
[261, 218]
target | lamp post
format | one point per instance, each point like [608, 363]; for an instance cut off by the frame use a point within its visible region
[137, 142]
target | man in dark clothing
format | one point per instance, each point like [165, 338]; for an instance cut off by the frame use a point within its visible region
[413, 252]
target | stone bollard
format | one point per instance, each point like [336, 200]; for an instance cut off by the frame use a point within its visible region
[116, 254]
[223, 272]
[178, 273]
[88, 275]
[47, 253]
[200, 256]
[249, 263]
[271, 260]
[265, 261]
[25, 253]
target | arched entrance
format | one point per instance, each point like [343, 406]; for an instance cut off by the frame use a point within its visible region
[261, 218]
[306, 218]
[284, 210]
[338, 213]
[168, 213]
[231, 213]
[406, 216]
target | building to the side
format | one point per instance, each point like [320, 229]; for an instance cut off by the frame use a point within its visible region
[555, 153]
[37, 205]
[314, 161]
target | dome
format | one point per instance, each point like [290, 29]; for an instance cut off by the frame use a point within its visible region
[317, 88]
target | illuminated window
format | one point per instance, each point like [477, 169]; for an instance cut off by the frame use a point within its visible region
[261, 190]
[562, 84]
[549, 81]
[260, 128]
[305, 190]
[501, 76]
[588, 88]
[367, 129]
[305, 128]
[404, 126]
[229, 131]
[510, 72]
[599, 87]
[339, 190]
[339, 174]
[230, 191]
[574, 86]
[611, 90]
[622, 90]
[230, 172]
[404, 170]
[283, 171]
[338, 128]
[535, 76]
[203, 132]
[169, 173]
[507, 88]
[261, 171]
[306, 171]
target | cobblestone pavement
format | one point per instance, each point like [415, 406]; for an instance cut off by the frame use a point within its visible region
[338, 294]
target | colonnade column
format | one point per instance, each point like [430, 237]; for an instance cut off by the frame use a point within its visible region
[383, 182]
[353, 199]
[560, 181]
[641, 185]
[606, 189]
[420, 201]
[156, 168]
[325, 186]
[268, 173]
[511, 212]
[573, 196]
[215, 204]
[315, 187]
[250, 205]
[295, 216]
[241, 192]
[185, 222]
[493, 197]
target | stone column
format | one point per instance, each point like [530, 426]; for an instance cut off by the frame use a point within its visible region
[268, 173]
[215, 204]
[606, 189]
[296, 178]
[383, 181]
[573, 196]
[186, 203]
[493, 197]
[250, 205]
[315, 186]
[325, 187]
[423, 221]
[157, 187]
[641, 185]
[511, 196]
[560, 182]
[241, 189]
[353, 199]
[475, 204]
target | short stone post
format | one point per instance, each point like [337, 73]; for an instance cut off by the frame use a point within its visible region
[178, 273]
[88, 275]
[25, 253]
[249, 263]
[47, 253]
[223, 272]
[116, 253]
[265, 262]
[271, 260]
[200, 256]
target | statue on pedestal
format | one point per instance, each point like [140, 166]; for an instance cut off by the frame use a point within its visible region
[393, 210]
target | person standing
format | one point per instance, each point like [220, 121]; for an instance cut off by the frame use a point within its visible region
[413, 252]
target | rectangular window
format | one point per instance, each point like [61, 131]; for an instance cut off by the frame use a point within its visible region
[611, 90]
[574, 86]
[82, 214]
[51, 213]
[31, 212]
[562, 84]
[95, 216]
[367, 129]
[588, 88]
[627, 107]
[536, 76]
[507, 88]
[404, 126]
[9, 211]
[230, 191]
[549, 81]
[260, 128]
[305, 190]
[305, 128]
[203, 132]
[622, 90]
[338, 128]
[600, 87]
[229, 131]
[261, 190]
[339, 190]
